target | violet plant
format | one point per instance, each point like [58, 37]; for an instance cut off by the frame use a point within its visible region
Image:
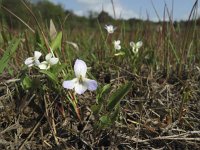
[80, 83]
[106, 112]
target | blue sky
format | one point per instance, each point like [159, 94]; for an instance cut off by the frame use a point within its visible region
[130, 8]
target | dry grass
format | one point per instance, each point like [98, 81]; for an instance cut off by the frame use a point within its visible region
[158, 113]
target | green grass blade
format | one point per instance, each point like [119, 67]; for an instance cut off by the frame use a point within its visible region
[175, 52]
[118, 95]
[114, 115]
[105, 121]
[50, 75]
[8, 54]
[57, 42]
[104, 91]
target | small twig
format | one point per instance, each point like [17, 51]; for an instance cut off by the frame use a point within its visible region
[50, 118]
[47, 144]
[54, 127]
[4, 142]
[26, 103]
[30, 135]
[12, 127]
[178, 137]
[12, 80]
[87, 120]
[170, 126]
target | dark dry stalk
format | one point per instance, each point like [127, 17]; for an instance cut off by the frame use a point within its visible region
[165, 48]
[113, 8]
[27, 45]
[18, 18]
[171, 23]
[63, 40]
[154, 8]
[186, 37]
[32, 14]
[195, 6]
[54, 127]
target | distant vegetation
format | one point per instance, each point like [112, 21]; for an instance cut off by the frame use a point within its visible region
[46, 10]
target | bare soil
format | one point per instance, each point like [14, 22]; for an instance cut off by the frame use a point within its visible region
[161, 112]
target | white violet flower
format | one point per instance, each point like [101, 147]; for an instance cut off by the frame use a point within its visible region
[136, 46]
[110, 28]
[80, 83]
[33, 60]
[117, 45]
[50, 60]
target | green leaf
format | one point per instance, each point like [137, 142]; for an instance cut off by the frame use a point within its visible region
[10, 71]
[8, 54]
[104, 91]
[26, 83]
[105, 120]
[96, 109]
[118, 95]
[57, 42]
[114, 114]
[58, 68]
[52, 30]
[50, 75]
[94, 57]
[39, 41]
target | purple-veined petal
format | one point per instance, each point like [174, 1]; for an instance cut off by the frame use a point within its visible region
[91, 84]
[139, 44]
[48, 56]
[135, 50]
[132, 44]
[80, 88]
[118, 42]
[70, 84]
[43, 65]
[37, 54]
[53, 61]
[117, 47]
[29, 61]
[80, 68]
[30, 65]
[110, 29]
[37, 62]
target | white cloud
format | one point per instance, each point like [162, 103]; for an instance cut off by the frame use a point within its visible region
[80, 13]
[99, 5]
[106, 5]
[121, 11]
[90, 1]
